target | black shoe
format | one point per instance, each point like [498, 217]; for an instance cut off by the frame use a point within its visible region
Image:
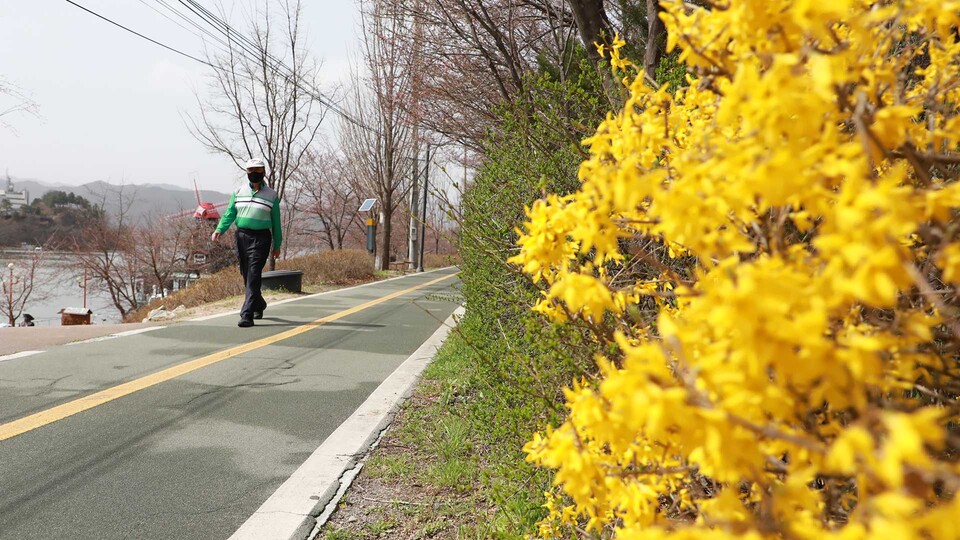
[245, 323]
[258, 315]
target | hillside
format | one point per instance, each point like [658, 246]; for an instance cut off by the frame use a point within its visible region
[41, 223]
[144, 199]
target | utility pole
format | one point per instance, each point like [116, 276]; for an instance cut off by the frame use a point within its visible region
[83, 285]
[413, 241]
[412, 250]
[423, 215]
[10, 290]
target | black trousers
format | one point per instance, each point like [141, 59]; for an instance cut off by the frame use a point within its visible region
[253, 249]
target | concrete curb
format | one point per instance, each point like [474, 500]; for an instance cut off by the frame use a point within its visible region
[291, 512]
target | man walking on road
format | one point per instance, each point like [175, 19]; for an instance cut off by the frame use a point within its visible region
[256, 208]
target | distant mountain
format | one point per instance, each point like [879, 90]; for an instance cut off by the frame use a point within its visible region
[142, 201]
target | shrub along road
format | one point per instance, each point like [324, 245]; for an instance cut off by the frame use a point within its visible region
[183, 432]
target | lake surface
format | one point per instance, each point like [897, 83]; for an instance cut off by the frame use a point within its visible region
[57, 288]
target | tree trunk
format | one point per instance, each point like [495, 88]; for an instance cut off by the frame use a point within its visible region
[592, 23]
[655, 30]
[385, 231]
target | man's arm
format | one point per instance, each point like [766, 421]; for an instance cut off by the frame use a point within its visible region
[226, 220]
[277, 233]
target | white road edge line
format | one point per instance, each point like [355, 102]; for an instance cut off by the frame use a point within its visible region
[226, 313]
[118, 334]
[290, 513]
[20, 354]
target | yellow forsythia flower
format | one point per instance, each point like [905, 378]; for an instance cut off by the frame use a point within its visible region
[800, 375]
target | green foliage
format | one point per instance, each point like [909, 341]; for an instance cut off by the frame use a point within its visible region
[390, 466]
[55, 218]
[536, 149]
[339, 534]
[671, 71]
[518, 360]
[472, 453]
[57, 199]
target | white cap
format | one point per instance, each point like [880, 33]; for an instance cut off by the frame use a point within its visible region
[253, 163]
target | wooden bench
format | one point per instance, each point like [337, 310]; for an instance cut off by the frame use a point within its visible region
[402, 266]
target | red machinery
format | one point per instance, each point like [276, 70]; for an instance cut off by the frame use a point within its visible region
[205, 211]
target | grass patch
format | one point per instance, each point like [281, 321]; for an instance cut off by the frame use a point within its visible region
[441, 471]
[390, 466]
[339, 534]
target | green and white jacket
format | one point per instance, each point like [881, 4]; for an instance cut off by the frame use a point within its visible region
[257, 210]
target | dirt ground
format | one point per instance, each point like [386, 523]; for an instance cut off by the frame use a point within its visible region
[388, 500]
[418, 483]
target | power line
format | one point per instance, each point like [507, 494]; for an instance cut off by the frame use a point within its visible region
[188, 20]
[254, 48]
[246, 46]
[225, 46]
[169, 18]
[134, 32]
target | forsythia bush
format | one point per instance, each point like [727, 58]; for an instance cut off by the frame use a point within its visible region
[771, 255]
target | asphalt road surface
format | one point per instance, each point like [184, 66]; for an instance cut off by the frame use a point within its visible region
[182, 432]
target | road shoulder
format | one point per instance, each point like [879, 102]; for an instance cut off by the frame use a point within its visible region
[291, 512]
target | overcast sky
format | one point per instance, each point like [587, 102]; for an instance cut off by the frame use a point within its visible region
[111, 103]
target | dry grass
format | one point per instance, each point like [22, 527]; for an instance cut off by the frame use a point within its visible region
[433, 260]
[344, 267]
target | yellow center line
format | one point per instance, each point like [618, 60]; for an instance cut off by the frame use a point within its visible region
[53, 414]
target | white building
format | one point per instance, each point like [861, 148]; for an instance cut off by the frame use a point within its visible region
[15, 198]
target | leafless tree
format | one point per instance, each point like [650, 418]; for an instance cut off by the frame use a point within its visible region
[105, 248]
[21, 284]
[330, 197]
[476, 55]
[438, 226]
[261, 101]
[292, 218]
[13, 100]
[161, 247]
[379, 143]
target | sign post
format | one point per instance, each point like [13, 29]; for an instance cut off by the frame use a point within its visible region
[371, 235]
[367, 206]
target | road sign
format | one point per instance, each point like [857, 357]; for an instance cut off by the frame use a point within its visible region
[367, 205]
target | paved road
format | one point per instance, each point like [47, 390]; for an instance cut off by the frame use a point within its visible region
[195, 454]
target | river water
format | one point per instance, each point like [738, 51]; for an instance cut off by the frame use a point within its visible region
[57, 288]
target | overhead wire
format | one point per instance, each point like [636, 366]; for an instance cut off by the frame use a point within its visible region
[245, 45]
[277, 64]
[134, 32]
[247, 48]
[201, 28]
[169, 18]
